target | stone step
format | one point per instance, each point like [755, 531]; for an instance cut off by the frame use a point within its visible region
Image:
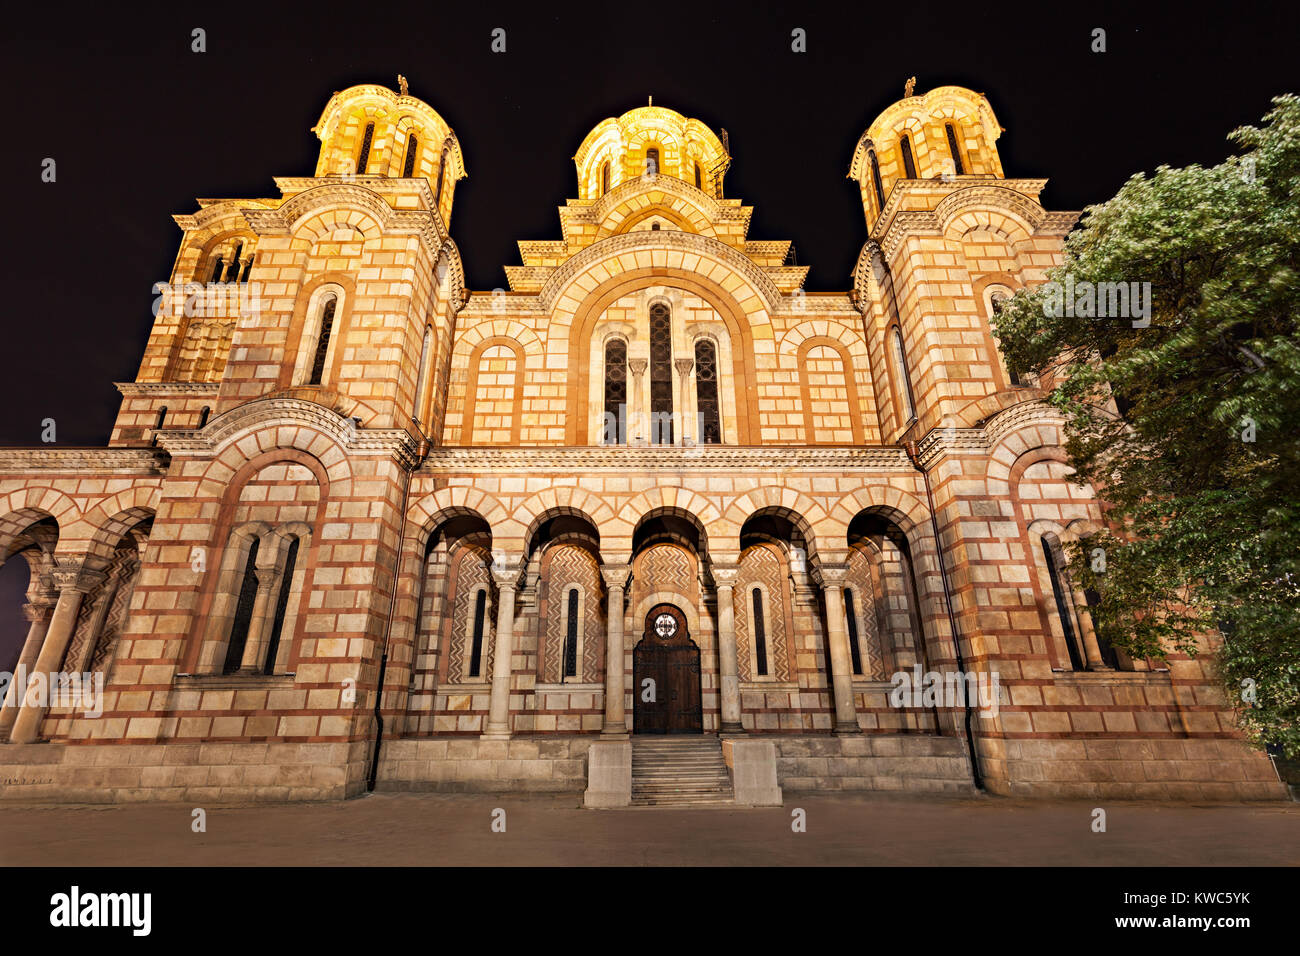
[680, 772]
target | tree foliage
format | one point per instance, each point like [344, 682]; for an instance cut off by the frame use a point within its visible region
[1200, 472]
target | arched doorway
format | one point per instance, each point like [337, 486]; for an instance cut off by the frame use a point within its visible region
[667, 656]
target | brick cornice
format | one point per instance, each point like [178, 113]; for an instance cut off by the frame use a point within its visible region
[942, 442]
[101, 461]
[697, 458]
[169, 388]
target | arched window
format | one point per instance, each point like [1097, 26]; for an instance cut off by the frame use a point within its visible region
[651, 161]
[615, 429]
[661, 375]
[281, 604]
[760, 635]
[904, 379]
[604, 178]
[162, 417]
[706, 392]
[412, 147]
[218, 269]
[1063, 603]
[851, 616]
[204, 412]
[243, 613]
[476, 642]
[248, 268]
[421, 374]
[909, 165]
[442, 176]
[996, 301]
[698, 177]
[654, 226]
[952, 148]
[571, 637]
[363, 158]
[323, 339]
[875, 178]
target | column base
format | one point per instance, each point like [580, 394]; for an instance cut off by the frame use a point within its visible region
[731, 727]
[846, 730]
[495, 733]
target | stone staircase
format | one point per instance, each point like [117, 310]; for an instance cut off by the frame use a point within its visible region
[686, 771]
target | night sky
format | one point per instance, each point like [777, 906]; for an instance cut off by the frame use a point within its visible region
[139, 126]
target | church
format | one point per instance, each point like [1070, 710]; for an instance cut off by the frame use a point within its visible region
[651, 524]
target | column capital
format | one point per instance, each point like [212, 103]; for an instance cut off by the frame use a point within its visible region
[507, 575]
[616, 575]
[638, 366]
[724, 575]
[683, 365]
[832, 575]
[77, 577]
[38, 612]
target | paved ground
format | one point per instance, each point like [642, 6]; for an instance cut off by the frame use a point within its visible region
[442, 829]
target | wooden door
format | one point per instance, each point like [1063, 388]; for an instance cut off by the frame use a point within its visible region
[667, 656]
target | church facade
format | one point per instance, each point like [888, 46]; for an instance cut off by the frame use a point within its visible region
[357, 525]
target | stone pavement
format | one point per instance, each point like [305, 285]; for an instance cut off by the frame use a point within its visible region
[424, 829]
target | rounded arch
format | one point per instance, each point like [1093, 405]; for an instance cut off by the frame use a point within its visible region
[900, 507]
[656, 212]
[796, 507]
[563, 500]
[113, 518]
[472, 390]
[587, 312]
[428, 511]
[676, 500]
[23, 508]
[856, 408]
[647, 603]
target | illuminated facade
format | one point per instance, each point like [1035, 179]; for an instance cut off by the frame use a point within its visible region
[343, 487]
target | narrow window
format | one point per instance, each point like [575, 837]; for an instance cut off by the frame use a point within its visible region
[162, 417]
[996, 301]
[243, 613]
[363, 160]
[952, 148]
[909, 165]
[1062, 605]
[706, 392]
[661, 375]
[615, 392]
[442, 177]
[604, 178]
[654, 227]
[571, 637]
[851, 616]
[905, 380]
[698, 177]
[875, 178]
[323, 340]
[281, 604]
[204, 412]
[235, 263]
[760, 634]
[412, 147]
[218, 270]
[248, 268]
[476, 646]
[651, 162]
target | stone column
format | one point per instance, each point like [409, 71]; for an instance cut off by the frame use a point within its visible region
[837, 637]
[260, 622]
[636, 426]
[1091, 649]
[38, 613]
[684, 366]
[507, 580]
[724, 580]
[73, 583]
[615, 725]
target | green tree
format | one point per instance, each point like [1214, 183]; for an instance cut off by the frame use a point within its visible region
[1200, 471]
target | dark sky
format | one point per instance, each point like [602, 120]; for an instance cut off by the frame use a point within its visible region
[140, 126]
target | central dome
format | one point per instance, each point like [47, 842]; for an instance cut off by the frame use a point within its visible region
[650, 140]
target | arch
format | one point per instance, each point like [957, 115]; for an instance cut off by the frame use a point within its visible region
[309, 295]
[856, 411]
[796, 507]
[900, 507]
[611, 290]
[115, 517]
[25, 507]
[682, 223]
[678, 601]
[563, 500]
[472, 393]
[428, 511]
[672, 499]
